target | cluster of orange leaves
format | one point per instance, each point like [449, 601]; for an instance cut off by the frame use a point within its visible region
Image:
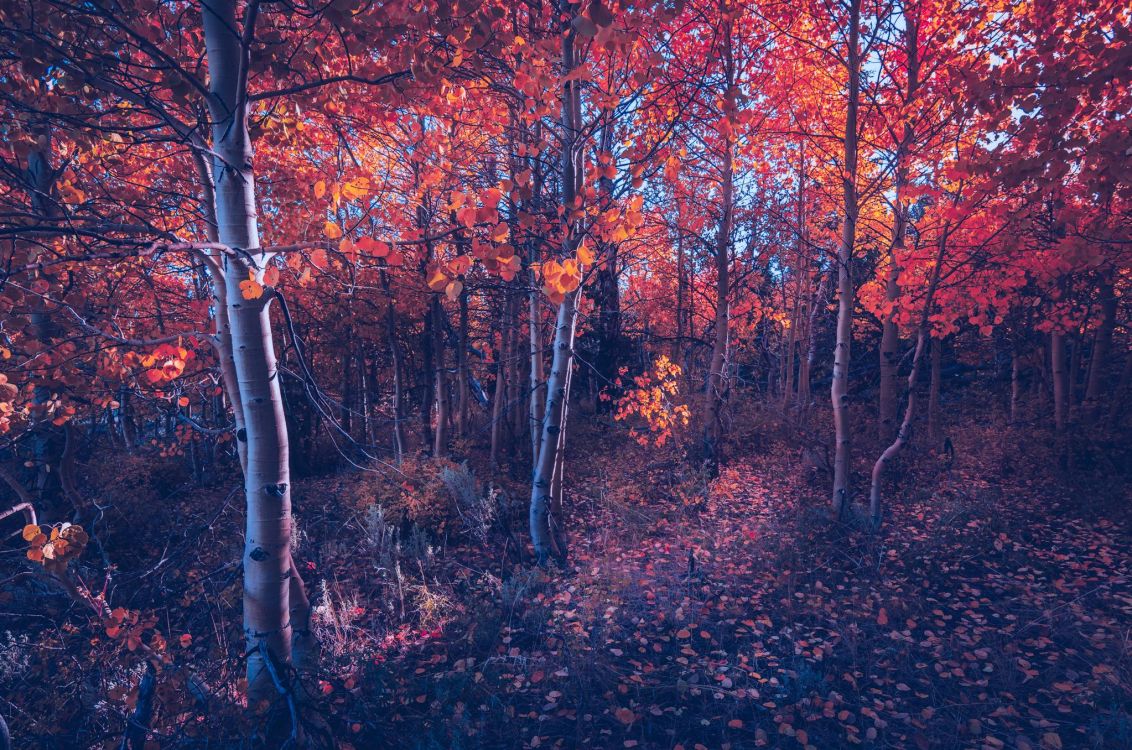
[652, 400]
[446, 277]
[559, 279]
[8, 393]
[56, 546]
[163, 365]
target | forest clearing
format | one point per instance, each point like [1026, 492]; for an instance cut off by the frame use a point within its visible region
[690, 375]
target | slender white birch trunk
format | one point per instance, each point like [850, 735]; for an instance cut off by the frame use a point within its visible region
[547, 535]
[839, 389]
[276, 610]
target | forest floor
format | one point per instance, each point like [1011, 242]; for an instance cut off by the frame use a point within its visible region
[992, 610]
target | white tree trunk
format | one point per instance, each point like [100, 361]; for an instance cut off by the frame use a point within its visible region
[846, 295]
[276, 609]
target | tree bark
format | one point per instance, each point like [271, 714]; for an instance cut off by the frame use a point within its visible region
[440, 380]
[606, 292]
[269, 574]
[500, 395]
[1015, 384]
[890, 332]
[713, 428]
[398, 366]
[846, 296]
[817, 303]
[1060, 380]
[934, 389]
[547, 536]
[1102, 348]
[462, 390]
[538, 371]
[543, 535]
[904, 434]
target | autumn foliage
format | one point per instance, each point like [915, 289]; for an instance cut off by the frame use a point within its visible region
[581, 373]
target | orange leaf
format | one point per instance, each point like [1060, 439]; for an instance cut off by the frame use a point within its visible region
[250, 288]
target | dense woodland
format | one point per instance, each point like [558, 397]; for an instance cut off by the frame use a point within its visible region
[565, 373]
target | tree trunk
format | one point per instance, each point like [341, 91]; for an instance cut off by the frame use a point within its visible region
[427, 389]
[904, 434]
[1102, 347]
[270, 579]
[817, 303]
[934, 389]
[713, 428]
[346, 408]
[1116, 408]
[790, 343]
[545, 537]
[1060, 379]
[839, 389]
[890, 334]
[462, 390]
[398, 366]
[516, 415]
[607, 292]
[440, 380]
[1015, 384]
[889, 360]
[500, 395]
[680, 345]
[538, 372]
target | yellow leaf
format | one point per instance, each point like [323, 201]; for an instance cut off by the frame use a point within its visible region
[332, 230]
[355, 188]
[320, 188]
[585, 256]
[436, 280]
